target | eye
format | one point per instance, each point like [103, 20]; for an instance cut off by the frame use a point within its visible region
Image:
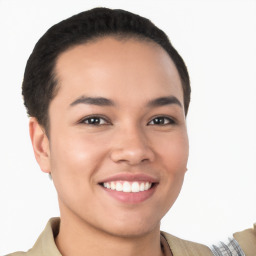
[162, 120]
[94, 120]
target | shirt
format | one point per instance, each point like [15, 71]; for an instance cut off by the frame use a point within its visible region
[171, 245]
[231, 247]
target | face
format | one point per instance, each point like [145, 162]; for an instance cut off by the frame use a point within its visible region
[118, 143]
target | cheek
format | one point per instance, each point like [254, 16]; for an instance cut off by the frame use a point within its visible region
[173, 156]
[73, 163]
[74, 152]
[173, 152]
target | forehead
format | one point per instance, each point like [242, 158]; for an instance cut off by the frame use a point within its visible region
[110, 65]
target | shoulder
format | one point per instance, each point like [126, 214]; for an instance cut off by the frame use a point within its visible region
[247, 240]
[240, 244]
[45, 244]
[183, 247]
[17, 254]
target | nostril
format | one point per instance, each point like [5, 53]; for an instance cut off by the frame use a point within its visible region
[132, 155]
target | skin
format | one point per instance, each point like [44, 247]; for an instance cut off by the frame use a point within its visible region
[128, 139]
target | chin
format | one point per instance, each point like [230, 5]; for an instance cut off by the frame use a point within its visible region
[131, 229]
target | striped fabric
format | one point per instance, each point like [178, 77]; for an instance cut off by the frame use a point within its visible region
[230, 248]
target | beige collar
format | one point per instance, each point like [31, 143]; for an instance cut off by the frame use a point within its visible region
[172, 246]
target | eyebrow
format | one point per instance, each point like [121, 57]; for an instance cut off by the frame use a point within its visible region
[101, 101]
[163, 101]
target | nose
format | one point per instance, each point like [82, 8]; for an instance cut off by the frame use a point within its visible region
[132, 147]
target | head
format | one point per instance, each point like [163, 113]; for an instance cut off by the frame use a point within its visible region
[40, 84]
[108, 96]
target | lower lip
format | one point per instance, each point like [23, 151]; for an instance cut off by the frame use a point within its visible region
[131, 198]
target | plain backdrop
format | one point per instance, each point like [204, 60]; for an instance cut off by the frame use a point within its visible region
[217, 40]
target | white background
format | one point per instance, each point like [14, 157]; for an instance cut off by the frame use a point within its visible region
[217, 40]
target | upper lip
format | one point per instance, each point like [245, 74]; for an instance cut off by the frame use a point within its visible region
[130, 177]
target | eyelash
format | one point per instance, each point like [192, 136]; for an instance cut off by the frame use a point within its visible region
[95, 117]
[96, 120]
[162, 121]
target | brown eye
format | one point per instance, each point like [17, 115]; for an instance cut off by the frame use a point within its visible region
[94, 120]
[161, 120]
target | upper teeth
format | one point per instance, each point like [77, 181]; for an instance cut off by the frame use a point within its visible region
[126, 186]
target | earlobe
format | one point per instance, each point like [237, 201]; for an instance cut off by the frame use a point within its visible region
[40, 143]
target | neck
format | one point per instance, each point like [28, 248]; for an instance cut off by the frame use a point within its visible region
[79, 238]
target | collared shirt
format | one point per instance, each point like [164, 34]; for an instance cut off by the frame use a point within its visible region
[45, 244]
[171, 245]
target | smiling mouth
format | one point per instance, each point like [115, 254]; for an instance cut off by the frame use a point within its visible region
[128, 186]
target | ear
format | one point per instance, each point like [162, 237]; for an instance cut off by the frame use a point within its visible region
[40, 143]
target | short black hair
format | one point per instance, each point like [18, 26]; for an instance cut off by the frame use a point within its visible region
[40, 83]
